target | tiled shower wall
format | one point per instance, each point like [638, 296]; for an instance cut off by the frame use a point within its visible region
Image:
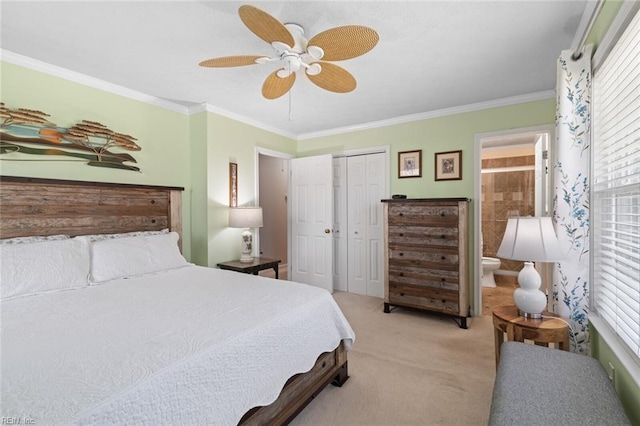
[505, 193]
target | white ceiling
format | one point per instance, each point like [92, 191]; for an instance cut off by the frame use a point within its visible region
[432, 55]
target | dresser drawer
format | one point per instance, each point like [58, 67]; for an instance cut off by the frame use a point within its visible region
[423, 277]
[423, 256]
[425, 298]
[416, 214]
[423, 235]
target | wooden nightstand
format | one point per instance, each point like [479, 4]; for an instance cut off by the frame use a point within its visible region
[258, 264]
[543, 331]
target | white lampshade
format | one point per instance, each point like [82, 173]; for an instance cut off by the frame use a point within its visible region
[531, 239]
[245, 217]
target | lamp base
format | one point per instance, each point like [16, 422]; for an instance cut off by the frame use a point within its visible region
[246, 247]
[527, 315]
[528, 298]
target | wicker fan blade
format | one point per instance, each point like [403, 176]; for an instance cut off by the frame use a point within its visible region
[274, 86]
[230, 61]
[265, 26]
[334, 78]
[345, 42]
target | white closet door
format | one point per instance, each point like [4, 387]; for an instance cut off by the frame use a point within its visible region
[340, 276]
[357, 219]
[365, 181]
[375, 236]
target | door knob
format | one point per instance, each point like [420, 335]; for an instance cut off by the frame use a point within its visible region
[327, 231]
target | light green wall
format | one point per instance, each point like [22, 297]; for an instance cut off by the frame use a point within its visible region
[163, 135]
[606, 16]
[199, 177]
[227, 140]
[627, 388]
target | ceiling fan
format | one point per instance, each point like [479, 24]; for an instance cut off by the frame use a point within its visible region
[294, 52]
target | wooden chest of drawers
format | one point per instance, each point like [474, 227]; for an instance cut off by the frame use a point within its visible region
[426, 252]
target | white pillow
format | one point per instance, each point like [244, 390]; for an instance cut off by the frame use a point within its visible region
[32, 268]
[34, 239]
[129, 256]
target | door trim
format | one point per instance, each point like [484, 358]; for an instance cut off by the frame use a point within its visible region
[271, 153]
[476, 305]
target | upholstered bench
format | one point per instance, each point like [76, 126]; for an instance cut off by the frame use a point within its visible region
[536, 385]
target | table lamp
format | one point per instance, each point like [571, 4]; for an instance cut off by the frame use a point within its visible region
[531, 239]
[245, 217]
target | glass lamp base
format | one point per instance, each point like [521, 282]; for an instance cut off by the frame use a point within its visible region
[527, 315]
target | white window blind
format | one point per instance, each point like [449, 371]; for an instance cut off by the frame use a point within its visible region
[615, 203]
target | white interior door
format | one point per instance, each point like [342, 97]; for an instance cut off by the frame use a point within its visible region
[340, 277]
[311, 221]
[357, 224]
[366, 187]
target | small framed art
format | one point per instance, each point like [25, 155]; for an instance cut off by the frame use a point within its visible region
[410, 164]
[233, 185]
[449, 165]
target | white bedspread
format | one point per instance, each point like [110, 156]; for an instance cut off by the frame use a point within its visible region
[192, 345]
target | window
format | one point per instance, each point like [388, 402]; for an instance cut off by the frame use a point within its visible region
[615, 201]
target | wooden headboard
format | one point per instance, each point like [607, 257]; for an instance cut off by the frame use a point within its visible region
[32, 206]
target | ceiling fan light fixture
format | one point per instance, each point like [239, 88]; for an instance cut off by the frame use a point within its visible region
[314, 69]
[297, 32]
[281, 47]
[316, 52]
[263, 60]
[283, 73]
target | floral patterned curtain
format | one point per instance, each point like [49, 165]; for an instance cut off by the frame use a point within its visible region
[571, 200]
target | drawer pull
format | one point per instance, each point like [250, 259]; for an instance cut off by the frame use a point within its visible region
[401, 254]
[443, 257]
[401, 294]
[324, 364]
[442, 279]
[402, 274]
[401, 234]
[443, 236]
[401, 214]
[442, 214]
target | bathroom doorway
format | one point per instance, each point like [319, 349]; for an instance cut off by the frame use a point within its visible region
[512, 179]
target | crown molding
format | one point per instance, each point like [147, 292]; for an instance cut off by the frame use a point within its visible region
[239, 117]
[496, 103]
[96, 83]
[46, 68]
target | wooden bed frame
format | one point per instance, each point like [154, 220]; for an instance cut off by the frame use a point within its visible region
[34, 206]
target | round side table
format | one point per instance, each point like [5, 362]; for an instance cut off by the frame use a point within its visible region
[543, 331]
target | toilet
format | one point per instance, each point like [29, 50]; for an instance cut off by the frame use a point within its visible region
[489, 264]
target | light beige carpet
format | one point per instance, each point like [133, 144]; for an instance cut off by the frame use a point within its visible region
[409, 368]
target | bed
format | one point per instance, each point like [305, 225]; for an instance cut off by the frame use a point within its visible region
[152, 340]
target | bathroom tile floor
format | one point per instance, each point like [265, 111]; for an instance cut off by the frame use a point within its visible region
[500, 295]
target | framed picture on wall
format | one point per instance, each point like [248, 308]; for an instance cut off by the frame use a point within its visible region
[410, 164]
[233, 185]
[449, 165]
